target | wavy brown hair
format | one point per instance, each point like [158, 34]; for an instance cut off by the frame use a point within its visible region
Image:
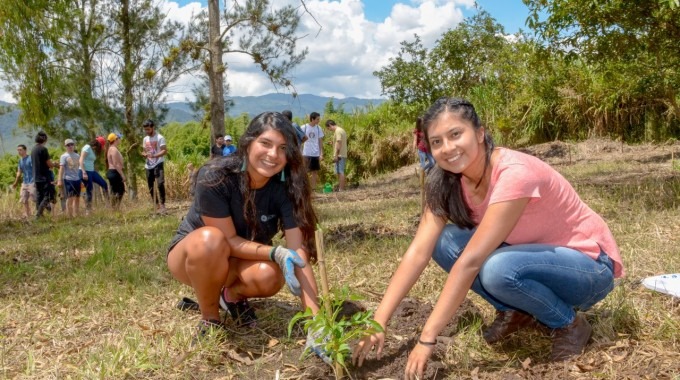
[297, 184]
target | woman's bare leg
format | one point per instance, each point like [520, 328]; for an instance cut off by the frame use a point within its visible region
[201, 260]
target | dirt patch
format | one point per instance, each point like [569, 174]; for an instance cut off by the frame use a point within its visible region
[345, 234]
[403, 331]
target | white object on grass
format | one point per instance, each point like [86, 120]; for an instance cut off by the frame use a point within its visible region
[665, 283]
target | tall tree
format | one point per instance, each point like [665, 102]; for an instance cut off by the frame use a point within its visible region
[82, 47]
[150, 56]
[30, 31]
[409, 77]
[253, 28]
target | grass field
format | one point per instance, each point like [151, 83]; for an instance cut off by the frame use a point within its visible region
[92, 298]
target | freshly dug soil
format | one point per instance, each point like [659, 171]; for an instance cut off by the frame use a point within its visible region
[403, 331]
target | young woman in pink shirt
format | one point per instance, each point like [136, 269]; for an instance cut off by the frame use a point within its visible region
[519, 236]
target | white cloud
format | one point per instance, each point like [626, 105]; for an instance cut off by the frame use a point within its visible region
[342, 55]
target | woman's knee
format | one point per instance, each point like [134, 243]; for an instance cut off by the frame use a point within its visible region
[265, 277]
[207, 244]
[497, 274]
[450, 244]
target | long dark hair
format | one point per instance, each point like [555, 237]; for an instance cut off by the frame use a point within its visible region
[297, 184]
[444, 191]
[96, 147]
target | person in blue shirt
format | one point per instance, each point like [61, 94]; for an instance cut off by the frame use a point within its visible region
[228, 148]
[301, 136]
[25, 170]
[88, 174]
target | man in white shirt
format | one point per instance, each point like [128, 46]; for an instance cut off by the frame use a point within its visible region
[312, 150]
[154, 149]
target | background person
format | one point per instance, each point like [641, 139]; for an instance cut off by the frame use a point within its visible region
[155, 149]
[218, 147]
[223, 247]
[69, 178]
[312, 150]
[339, 151]
[88, 174]
[420, 146]
[298, 131]
[228, 148]
[115, 173]
[42, 174]
[520, 237]
[25, 172]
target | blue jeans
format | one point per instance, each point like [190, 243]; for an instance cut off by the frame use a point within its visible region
[426, 160]
[546, 281]
[93, 177]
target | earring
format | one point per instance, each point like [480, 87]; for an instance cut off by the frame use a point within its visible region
[283, 175]
[243, 167]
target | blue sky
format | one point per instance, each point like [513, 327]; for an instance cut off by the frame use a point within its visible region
[510, 13]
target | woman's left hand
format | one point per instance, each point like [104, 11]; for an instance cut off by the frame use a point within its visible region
[417, 362]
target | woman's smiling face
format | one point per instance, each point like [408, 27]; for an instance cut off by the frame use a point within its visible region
[266, 157]
[455, 143]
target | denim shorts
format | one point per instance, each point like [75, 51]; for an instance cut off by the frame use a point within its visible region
[340, 165]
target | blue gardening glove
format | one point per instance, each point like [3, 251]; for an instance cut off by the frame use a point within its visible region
[287, 260]
[315, 343]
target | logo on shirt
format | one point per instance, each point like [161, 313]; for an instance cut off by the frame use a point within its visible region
[266, 218]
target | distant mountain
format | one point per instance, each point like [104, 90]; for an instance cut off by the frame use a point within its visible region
[181, 112]
[252, 105]
[10, 135]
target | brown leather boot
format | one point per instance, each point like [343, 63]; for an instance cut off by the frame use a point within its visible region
[571, 340]
[506, 323]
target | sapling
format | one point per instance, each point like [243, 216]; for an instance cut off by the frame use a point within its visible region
[333, 332]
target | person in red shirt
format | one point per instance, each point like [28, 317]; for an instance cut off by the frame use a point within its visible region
[420, 146]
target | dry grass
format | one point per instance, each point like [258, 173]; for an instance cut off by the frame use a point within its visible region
[91, 298]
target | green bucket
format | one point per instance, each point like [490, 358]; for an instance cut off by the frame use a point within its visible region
[327, 188]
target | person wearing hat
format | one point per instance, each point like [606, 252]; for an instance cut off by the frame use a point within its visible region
[69, 178]
[88, 175]
[115, 173]
[228, 149]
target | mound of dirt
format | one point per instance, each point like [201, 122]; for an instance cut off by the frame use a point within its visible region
[403, 331]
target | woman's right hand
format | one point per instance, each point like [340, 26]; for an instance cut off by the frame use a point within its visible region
[366, 345]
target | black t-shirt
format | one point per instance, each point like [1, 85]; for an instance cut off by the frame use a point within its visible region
[224, 199]
[216, 150]
[39, 157]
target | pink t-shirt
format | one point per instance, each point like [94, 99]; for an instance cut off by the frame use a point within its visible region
[555, 214]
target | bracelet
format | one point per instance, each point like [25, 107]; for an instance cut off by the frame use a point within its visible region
[427, 343]
[271, 253]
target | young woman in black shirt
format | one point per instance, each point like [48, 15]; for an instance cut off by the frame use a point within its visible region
[223, 248]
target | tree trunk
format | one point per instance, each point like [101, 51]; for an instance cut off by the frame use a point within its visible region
[216, 71]
[128, 99]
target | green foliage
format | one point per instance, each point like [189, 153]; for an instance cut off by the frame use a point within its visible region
[595, 69]
[378, 141]
[190, 142]
[8, 169]
[331, 109]
[339, 331]
[31, 30]
[623, 72]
